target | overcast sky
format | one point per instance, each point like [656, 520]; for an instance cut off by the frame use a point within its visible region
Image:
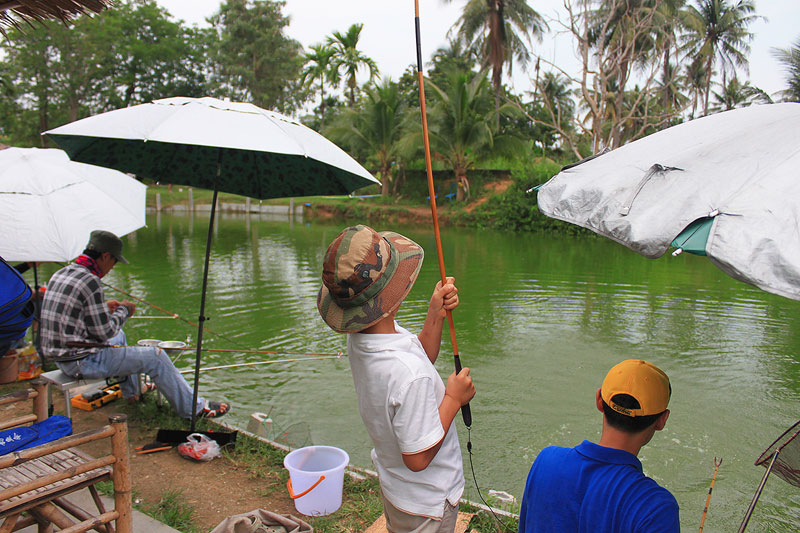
[388, 34]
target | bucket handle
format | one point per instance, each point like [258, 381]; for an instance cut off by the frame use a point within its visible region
[294, 496]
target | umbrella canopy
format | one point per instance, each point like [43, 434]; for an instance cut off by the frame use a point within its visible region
[733, 177]
[213, 144]
[50, 204]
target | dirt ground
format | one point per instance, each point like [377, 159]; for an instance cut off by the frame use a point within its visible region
[216, 489]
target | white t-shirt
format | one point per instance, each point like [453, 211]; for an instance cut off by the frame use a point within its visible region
[399, 393]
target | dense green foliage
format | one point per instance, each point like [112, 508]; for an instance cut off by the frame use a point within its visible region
[646, 65]
[135, 53]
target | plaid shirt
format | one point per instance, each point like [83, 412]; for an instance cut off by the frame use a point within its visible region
[74, 310]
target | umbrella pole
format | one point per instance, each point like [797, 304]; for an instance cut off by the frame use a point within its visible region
[466, 412]
[202, 318]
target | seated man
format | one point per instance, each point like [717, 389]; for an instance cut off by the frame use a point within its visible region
[75, 312]
[601, 487]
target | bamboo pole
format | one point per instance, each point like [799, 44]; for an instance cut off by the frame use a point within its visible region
[122, 474]
[56, 477]
[19, 421]
[79, 513]
[18, 457]
[53, 514]
[10, 522]
[40, 400]
[92, 523]
[18, 396]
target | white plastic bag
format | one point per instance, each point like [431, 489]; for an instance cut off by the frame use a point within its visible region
[199, 447]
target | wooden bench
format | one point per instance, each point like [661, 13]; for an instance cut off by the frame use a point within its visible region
[34, 482]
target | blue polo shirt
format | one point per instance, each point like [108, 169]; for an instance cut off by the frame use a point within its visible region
[594, 489]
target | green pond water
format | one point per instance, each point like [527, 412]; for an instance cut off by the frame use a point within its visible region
[542, 318]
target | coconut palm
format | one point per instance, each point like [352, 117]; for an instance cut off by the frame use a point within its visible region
[373, 127]
[347, 59]
[737, 94]
[790, 58]
[460, 127]
[318, 69]
[716, 30]
[501, 31]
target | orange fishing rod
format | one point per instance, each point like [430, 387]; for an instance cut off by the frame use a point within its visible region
[711, 488]
[466, 413]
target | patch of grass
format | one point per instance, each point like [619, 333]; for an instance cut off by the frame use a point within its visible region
[488, 522]
[361, 506]
[173, 511]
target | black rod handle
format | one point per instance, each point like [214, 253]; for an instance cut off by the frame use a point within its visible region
[466, 412]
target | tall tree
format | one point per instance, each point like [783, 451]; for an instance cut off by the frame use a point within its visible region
[318, 69]
[120, 57]
[348, 59]
[790, 58]
[461, 126]
[717, 31]
[374, 127]
[257, 62]
[616, 42]
[501, 31]
[147, 55]
[737, 94]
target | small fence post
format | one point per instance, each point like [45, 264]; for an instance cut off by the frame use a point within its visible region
[121, 474]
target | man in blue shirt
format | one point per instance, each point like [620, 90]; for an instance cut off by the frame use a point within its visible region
[601, 487]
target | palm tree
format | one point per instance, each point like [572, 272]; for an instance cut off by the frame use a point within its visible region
[716, 30]
[374, 127]
[736, 94]
[347, 59]
[460, 128]
[695, 81]
[790, 58]
[500, 31]
[318, 68]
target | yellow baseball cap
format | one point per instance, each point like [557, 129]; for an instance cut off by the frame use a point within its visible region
[644, 381]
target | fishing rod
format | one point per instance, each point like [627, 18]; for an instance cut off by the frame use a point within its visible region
[236, 365]
[80, 344]
[172, 315]
[466, 413]
[708, 498]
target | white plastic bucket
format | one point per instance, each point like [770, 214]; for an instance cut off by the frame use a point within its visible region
[316, 476]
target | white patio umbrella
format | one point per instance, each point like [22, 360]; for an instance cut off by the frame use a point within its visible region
[225, 146]
[735, 175]
[50, 204]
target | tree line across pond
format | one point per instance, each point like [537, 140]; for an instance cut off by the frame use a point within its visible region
[645, 65]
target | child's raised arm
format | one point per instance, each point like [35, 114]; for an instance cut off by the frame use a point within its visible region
[444, 298]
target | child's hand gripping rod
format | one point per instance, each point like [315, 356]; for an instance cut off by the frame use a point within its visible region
[465, 410]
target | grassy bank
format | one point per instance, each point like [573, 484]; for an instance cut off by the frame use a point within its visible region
[193, 497]
[498, 200]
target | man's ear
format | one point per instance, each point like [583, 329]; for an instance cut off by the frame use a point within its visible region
[599, 400]
[661, 421]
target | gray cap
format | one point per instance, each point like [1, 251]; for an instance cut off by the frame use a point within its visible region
[105, 241]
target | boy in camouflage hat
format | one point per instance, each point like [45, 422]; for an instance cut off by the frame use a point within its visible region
[405, 406]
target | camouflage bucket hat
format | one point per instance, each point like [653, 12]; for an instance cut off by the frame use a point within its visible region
[365, 276]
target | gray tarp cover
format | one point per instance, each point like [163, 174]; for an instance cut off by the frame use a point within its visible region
[741, 167]
[261, 521]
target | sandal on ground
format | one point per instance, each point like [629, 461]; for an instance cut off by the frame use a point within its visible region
[214, 409]
[147, 387]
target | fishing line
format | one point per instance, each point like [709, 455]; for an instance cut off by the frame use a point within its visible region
[172, 315]
[79, 344]
[466, 413]
[236, 365]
